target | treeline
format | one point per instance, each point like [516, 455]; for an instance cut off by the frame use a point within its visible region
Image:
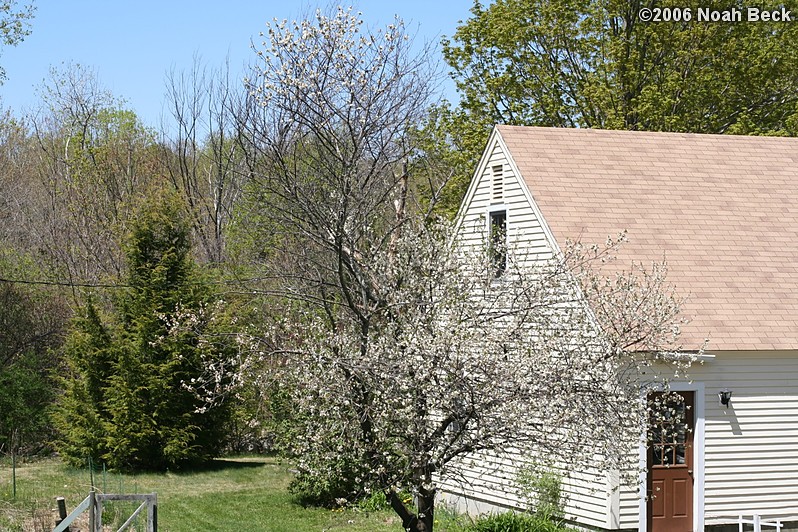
[78, 178]
[136, 263]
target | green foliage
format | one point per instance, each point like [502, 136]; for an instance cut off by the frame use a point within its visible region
[280, 416]
[330, 481]
[262, 420]
[374, 502]
[543, 489]
[254, 235]
[594, 63]
[27, 393]
[127, 401]
[451, 140]
[32, 320]
[14, 25]
[513, 522]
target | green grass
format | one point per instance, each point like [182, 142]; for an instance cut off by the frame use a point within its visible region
[235, 494]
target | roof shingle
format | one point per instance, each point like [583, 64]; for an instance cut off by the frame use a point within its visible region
[722, 211]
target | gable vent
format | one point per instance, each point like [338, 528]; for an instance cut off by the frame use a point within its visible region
[497, 182]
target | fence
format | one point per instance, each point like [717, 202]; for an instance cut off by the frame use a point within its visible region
[759, 523]
[94, 504]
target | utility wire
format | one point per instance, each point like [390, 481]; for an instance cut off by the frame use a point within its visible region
[70, 284]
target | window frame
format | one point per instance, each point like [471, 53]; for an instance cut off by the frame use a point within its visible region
[498, 270]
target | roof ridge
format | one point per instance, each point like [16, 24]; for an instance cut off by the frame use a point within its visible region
[624, 132]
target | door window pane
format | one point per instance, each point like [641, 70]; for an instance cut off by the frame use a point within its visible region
[669, 427]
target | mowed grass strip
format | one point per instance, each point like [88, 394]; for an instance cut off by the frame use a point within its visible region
[235, 494]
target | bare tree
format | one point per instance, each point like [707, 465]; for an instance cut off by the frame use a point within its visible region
[93, 160]
[331, 141]
[203, 152]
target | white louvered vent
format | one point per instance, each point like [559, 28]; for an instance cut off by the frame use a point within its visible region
[497, 183]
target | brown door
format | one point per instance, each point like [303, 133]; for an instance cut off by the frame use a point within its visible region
[670, 462]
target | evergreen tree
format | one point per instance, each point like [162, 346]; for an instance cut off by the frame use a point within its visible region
[128, 401]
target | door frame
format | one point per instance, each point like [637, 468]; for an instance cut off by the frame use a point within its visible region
[698, 454]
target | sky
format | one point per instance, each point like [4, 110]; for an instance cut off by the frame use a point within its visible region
[131, 45]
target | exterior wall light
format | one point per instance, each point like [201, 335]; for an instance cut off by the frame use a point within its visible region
[725, 397]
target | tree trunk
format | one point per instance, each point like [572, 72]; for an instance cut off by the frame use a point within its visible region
[425, 502]
[408, 519]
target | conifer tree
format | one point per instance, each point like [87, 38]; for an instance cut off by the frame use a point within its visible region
[128, 399]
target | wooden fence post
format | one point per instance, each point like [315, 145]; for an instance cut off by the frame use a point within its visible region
[98, 514]
[152, 513]
[62, 513]
[92, 502]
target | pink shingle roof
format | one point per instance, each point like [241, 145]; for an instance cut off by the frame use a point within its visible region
[721, 210]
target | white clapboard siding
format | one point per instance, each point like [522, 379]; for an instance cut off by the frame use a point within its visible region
[525, 234]
[486, 482]
[629, 508]
[751, 447]
[627, 511]
[751, 451]
[589, 499]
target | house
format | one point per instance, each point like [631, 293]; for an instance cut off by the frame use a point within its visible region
[723, 212]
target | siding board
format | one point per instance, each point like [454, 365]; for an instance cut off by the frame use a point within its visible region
[751, 456]
[490, 479]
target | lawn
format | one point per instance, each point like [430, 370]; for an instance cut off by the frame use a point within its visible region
[238, 494]
[247, 494]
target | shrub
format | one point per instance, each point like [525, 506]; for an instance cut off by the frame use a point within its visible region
[32, 322]
[374, 502]
[514, 522]
[335, 484]
[27, 393]
[543, 489]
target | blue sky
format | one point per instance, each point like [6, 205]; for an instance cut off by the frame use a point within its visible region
[132, 44]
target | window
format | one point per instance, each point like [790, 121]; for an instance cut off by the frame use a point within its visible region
[670, 428]
[498, 242]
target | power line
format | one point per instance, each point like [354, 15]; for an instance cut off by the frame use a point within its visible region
[66, 284]
[72, 284]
